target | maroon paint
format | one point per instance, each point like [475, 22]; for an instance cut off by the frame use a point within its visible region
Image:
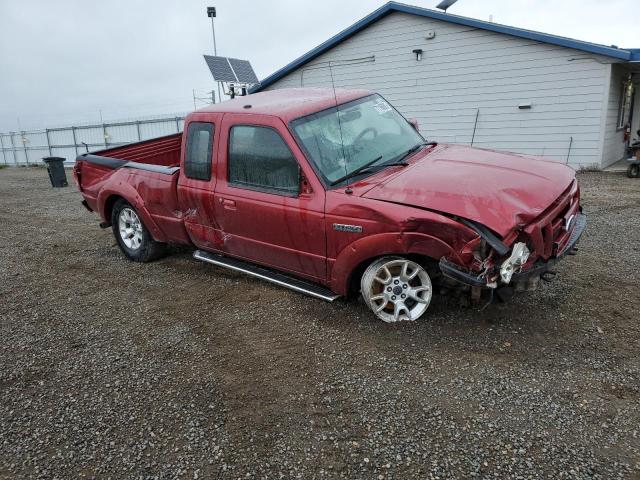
[497, 189]
[161, 151]
[402, 210]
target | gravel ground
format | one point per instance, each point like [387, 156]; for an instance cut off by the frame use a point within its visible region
[111, 369]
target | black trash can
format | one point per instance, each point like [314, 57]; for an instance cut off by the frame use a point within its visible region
[55, 167]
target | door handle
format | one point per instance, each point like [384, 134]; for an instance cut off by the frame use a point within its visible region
[228, 204]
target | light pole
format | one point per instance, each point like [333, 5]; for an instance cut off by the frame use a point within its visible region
[211, 13]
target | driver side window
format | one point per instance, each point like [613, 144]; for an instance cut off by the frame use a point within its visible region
[259, 159]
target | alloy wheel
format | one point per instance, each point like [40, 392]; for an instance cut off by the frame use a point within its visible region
[130, 228]
[397, 289]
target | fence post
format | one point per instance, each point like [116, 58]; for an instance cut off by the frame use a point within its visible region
[13, 148]
[138, 130]
[104, 134]
[24, 146]
[4, 156]
[75, 142]
[48, 142]
[177, 125]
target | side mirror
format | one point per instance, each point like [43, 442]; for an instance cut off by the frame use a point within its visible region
[414, 124]
[304, 185]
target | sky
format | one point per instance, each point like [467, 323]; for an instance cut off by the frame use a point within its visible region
[66, 62]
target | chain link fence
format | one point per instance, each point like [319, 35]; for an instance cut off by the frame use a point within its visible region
[29, 147]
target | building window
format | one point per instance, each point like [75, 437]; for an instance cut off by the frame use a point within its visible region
[259, 159]
[197, 162]
[625, 105]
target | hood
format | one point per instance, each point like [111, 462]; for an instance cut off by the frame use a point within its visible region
[498, 190]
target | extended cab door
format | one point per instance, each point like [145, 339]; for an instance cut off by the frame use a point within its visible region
[196, 185]
[269, 205]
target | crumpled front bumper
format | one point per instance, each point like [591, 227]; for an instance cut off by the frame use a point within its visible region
[453, 271]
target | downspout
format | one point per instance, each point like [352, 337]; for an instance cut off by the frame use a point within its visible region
[608, 72]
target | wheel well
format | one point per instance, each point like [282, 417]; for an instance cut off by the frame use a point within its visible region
[108, 206]
[430, 264]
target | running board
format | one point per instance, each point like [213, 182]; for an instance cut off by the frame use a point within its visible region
[262, 273]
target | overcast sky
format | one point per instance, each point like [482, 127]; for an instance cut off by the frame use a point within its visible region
[66, 62]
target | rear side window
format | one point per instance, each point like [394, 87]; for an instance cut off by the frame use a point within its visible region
[259, 159]
[197, 162]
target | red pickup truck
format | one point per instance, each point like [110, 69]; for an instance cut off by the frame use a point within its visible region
[333, 194]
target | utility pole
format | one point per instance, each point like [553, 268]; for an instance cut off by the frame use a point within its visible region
[211, 13]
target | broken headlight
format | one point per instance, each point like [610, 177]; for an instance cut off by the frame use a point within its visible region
[519, 256]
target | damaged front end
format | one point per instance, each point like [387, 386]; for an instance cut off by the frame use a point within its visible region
[532, 252]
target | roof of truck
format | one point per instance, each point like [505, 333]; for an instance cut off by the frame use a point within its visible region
[288, 104]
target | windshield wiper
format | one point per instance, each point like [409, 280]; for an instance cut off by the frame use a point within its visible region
[356, 171]
[370, 168]
[396, 162]
[414, 149]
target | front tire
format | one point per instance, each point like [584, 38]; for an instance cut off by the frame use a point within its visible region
[396, 289]
[633, 171]
[132, 235]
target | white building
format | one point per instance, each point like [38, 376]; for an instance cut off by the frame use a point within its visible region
[519, 90]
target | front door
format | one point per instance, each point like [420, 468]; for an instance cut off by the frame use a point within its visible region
[266, 207]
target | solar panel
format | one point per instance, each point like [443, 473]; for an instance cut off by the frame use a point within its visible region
[231, 70]
[445, 4]
[243, 71]
[220, 69]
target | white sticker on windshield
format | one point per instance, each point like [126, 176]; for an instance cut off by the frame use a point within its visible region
[381, 106]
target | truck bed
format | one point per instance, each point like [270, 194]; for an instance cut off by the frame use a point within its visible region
[164, 151]
[145, 173]
[159, 155]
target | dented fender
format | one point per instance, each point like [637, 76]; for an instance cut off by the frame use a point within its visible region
[131, 195]
[398, 243]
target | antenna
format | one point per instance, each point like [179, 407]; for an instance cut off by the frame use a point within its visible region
[445, 4]
[335, 98]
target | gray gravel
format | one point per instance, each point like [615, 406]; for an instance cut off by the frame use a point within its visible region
[110, 369]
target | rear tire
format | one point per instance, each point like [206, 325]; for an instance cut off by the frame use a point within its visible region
[633, 171]
[132, 235]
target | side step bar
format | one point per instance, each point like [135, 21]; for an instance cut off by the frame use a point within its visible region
[262, 273]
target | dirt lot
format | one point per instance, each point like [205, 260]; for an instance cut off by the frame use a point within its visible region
[176, 368]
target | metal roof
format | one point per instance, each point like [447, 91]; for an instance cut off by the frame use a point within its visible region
[632, 54]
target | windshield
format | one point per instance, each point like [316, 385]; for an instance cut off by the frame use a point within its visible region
[368, 129]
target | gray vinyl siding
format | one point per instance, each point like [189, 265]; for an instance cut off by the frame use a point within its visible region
[466, 69]
[614, 146]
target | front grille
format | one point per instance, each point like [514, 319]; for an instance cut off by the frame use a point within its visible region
[548, 234]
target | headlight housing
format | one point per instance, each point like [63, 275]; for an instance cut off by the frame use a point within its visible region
[519, 256]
